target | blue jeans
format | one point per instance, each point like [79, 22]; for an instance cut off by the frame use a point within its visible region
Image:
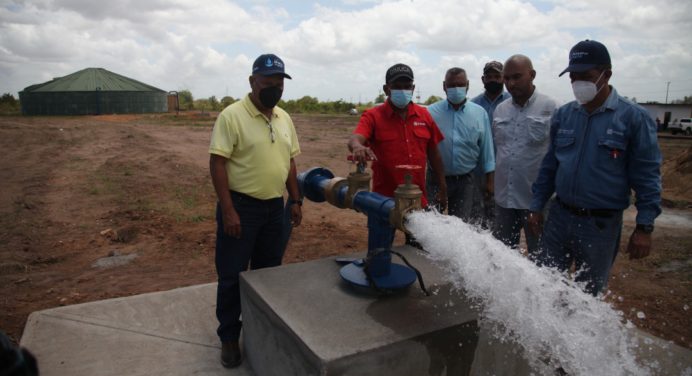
[261, 245]
[590, 242]
[507, 227]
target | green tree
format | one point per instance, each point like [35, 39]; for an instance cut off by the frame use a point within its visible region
[227, 101]
[9, 105]
[185, 100]
[685, 100]
[214, 104]
[380, 98]
[432, 99]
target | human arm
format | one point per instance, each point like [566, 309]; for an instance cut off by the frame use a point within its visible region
[544, 186]
[487, 159]
[362, 153]
[219, 178]
[294, 195]
[489, 185]
[644, 177]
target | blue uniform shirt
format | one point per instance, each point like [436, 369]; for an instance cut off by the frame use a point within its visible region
[468, 139]
[594, 160]
[488, 105]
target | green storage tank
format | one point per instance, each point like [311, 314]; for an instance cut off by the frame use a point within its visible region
[92, 91]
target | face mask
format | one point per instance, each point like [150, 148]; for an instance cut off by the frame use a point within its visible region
[493, 87]
[269, 96]
[586, 91]
[456, 95]
[401, 98]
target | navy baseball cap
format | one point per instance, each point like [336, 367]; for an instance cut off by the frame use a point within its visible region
[586, 55]
[269, 65]
[398, 71]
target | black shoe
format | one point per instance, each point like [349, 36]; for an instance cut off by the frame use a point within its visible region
[230, 354]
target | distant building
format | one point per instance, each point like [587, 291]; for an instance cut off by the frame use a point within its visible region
[667, 113]
[92, 91]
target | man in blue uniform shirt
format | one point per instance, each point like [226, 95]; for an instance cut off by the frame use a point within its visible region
[602, 147]
[467, 144]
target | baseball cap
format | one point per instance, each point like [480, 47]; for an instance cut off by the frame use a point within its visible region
[586, 55]
[492, 66]
[269, 65]
[398, 71]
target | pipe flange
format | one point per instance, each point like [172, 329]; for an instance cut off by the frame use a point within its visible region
[331, 192]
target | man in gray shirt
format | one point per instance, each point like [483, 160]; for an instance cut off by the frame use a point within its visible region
[521, 130]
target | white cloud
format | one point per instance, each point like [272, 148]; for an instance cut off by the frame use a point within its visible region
[340, 49]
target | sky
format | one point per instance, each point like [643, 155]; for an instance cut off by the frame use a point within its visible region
[341, 49]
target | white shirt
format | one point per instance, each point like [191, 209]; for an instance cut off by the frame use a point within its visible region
[522, 137]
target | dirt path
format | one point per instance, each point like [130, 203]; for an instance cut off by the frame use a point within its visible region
[82, 194]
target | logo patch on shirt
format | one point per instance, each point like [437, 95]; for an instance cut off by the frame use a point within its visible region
[611, 131]
[419, 123]
[565, 131]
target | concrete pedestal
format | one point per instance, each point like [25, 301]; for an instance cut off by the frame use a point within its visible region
[301, 319]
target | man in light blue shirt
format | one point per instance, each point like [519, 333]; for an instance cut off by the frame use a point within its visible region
[521, 127]
[467, 143]
[602, 147]
[484, 207]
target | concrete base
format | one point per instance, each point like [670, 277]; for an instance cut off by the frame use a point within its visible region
[302, 319]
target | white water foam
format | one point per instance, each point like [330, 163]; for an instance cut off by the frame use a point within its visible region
[556, 324]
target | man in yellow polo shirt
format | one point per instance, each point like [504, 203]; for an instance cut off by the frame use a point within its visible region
[252, 147]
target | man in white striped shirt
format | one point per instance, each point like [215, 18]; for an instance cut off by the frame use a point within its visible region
[521, 131]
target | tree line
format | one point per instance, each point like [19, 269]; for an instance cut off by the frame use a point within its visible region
[9, 105]
[304, 105]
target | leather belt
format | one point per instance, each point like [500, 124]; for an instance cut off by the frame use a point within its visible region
[583, 212]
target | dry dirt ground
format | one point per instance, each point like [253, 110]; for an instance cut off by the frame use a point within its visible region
[82, 194]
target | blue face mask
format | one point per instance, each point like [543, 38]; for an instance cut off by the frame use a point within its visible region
[401, 98]
[456, 95]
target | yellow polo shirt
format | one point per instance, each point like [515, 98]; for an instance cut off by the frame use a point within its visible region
[256, 166]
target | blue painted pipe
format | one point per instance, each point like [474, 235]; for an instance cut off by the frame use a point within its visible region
[377, 207]
[314, 182]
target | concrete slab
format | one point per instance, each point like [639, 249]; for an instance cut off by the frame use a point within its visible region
[165, 333]
[301, 319]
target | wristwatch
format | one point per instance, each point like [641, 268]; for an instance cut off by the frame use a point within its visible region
[647, 229]
[293, 202]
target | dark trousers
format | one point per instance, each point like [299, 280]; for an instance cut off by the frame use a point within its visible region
[508, 224]
[261, 245]
[459, 195]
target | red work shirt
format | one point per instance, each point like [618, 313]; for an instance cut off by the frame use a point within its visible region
[396, 141]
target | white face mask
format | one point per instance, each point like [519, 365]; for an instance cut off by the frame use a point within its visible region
[586, 91]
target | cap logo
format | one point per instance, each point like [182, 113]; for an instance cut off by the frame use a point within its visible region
[579, 54]
[268, 63]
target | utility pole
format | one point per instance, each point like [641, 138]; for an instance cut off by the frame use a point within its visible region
[667, 87]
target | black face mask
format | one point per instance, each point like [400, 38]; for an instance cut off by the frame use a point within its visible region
[493, 87]
[269, 96]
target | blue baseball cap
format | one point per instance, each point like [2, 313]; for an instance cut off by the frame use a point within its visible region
[269, 65]
[585, 55]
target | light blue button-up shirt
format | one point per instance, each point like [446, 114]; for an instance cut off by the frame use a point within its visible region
[488, 105]
[595, 160]
[468, 140]
[522, 136]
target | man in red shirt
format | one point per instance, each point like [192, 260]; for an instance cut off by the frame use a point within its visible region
[399, 132]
